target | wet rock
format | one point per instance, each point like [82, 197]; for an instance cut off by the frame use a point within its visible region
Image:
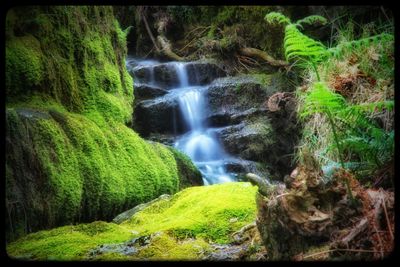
[159, 115]
[201, 73]
[249, 140]
[166, 76]
[235, 94]
[242, 167]
[145, 91]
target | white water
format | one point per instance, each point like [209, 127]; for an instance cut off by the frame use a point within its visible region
[199, 143]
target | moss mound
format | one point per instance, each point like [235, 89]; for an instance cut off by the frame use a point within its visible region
[179, 228]
[210, 212]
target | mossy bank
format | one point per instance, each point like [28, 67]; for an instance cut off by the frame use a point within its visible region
[180, 227]
[70, 156]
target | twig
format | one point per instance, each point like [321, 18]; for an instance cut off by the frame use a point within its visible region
[379, 239]
[387, 219]
[148, 30]
[339, 249]
[361, 226]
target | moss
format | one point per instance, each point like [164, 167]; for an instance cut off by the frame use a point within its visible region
[165, 247]
[179, 228]
[188, 173]
[24, 65]
[200, 212]
[75, 55]
[86, 171]
[67, 242]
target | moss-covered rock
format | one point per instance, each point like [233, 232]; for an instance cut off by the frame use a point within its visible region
[70, 157]
[63, 167]
[188, 172]
[176, 228]
[211, 212]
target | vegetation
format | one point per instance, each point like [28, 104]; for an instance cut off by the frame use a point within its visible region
[336, 99]
[70, 157]
[179, 227]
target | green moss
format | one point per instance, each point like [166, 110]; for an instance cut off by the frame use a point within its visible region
[211, 212]
[75, 55]
[165, 247]
[188, 173]
[179, 228]
[85, 170]
[67, 242]
[24, 65]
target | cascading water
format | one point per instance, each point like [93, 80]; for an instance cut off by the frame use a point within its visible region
[199, 142]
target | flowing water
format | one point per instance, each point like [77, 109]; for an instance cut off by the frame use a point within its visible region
[199, 142]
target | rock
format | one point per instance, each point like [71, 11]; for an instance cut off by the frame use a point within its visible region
[201, 73]
[166, 76]
[235, 94]
[189, 174]
[249, 140]
[242, 167]
[145, 91]
[159, 115]
[126, 215]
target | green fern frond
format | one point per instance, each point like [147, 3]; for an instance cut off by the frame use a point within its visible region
[321, 100]
[338, 50]
[276, 18]
[312, 20]
[301, 47]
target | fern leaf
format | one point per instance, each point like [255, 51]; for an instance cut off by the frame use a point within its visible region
[276, 18]
[321, 99]
[312, 20]
[301, 47]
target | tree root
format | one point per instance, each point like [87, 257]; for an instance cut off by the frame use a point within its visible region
[254, 52]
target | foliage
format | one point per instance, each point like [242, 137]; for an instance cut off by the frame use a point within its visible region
[70, 157]
[312, 20]
[179, 228]
[357, 91]
[211, 212]
[85, 171]
[277, 18]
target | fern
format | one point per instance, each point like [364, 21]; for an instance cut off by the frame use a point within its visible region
[301, 47]
[312, 20]
[321, 100]
[364, 42]
[276, 18]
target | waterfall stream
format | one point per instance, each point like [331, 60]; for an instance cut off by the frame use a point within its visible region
[199, 142]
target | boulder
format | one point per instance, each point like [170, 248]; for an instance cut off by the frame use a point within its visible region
[145, 91]
[249, 140]
[158, 115]
[202, 73]
[231, 95]
[126, 215]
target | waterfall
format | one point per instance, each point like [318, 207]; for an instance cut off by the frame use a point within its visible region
[200, 144]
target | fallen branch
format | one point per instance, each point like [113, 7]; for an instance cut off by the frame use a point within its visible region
[339, 249]
[148, 30]
[254, 52]
[361, 226]
[166, 48]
